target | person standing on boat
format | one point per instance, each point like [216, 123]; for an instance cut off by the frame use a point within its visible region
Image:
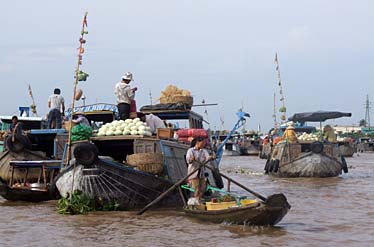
[290, 134]
[125, 94]
[196, 156]
[56, 105]
[329, 134]
[152, 121]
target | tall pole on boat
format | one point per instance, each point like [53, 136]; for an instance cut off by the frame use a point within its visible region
[79, 75]
[367, 113]
[275, 113]
[282, 109]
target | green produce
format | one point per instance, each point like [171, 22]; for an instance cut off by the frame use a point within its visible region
[81, 132]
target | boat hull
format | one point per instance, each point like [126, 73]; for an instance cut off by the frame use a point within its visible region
[261, 214]
[109, 182]
[305, 160]
[311, 165]
[25, 194]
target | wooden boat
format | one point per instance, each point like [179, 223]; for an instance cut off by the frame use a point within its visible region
[267, 213]
[365, 144]
[30, 188]
[30, 159]
[102, 171]
[249, 145]
[306, 159]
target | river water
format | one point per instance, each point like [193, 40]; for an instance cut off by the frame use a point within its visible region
[325, 212]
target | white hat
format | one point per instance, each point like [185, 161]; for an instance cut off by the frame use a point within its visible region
[127, 76]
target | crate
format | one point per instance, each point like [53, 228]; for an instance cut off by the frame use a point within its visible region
[165, 133]
[220, 205]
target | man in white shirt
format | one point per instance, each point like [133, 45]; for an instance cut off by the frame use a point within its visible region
[56, 105]
[124, 94]
[152, 121]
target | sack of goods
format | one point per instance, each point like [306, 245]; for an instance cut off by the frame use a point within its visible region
[127, 127]
[173, 94]
[192, 133]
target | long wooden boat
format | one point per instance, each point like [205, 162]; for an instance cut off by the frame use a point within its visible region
[26, 193]
[306, 159]
[249, 148]
[27, 173]
[267, 213]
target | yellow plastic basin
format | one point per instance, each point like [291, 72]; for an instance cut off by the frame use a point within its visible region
[219, 205]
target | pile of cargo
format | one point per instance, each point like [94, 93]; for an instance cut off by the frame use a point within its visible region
[173, 94]
[127, 127]
[187, 135]
[309, 137]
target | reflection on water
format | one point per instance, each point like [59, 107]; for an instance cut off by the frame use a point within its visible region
[325, 212]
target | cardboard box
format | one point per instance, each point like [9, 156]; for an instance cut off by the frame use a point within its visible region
[165, 133]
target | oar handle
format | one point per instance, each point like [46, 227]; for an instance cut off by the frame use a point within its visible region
[160, 197]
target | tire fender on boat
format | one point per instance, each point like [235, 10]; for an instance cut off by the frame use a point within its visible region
[20, 143]
[276, 166]
[266, 168]
[85, 153]
[316, 147]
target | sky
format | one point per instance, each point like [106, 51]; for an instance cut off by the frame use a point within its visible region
[222, 51]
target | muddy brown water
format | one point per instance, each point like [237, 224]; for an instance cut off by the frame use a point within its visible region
[325, 212]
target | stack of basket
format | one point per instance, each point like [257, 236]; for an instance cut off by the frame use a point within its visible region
[173, 95]
[147, 162]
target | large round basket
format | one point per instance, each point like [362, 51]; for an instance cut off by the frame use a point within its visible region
[151, 168]
[188, 100]
[147, 162]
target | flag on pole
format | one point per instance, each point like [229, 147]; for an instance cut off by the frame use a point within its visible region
[30, 91]
[85, 20]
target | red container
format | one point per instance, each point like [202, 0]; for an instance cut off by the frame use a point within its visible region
[193, 133]
[133, 106]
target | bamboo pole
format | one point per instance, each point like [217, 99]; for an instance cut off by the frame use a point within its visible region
[80, 52]
[75, 86]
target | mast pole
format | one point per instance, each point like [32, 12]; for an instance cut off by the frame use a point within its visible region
[79, 62]
[283, 108]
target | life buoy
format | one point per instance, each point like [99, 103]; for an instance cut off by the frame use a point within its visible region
[316, 147]
[85, 153]
[344, 165]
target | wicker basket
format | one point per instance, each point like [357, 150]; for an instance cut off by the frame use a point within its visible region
[151, 168]
[145, 159]
[188, 100]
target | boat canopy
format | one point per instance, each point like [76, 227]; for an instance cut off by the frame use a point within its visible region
[318, 116]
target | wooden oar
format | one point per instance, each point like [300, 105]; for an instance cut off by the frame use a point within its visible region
[160, 197]
[239, 184]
